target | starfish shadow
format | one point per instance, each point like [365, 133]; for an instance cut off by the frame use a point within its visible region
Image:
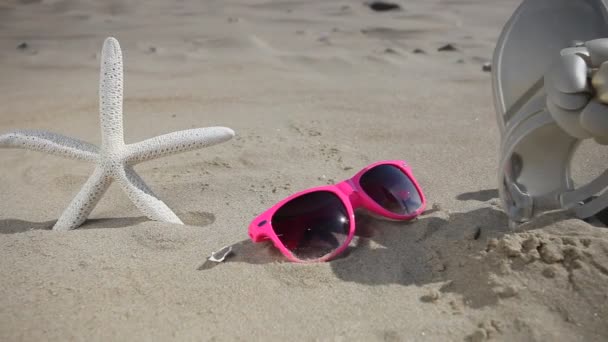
[192, 218]
[12, 226]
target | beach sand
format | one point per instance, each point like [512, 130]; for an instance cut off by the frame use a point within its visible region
[315, 90]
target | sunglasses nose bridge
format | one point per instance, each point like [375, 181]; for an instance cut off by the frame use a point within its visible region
[348, 189]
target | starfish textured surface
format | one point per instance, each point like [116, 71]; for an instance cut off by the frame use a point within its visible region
[114, 160]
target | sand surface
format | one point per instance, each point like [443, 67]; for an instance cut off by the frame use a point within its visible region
[315, 91]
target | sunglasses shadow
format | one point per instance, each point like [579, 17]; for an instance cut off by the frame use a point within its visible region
[265, 252]
[261, 253]
[248, 252]
[449, 249]
[439, 247]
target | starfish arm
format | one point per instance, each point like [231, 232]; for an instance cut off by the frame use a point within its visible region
[84, 202]
[111, 94]
[144, 199]
[177, 142]
[51, 143]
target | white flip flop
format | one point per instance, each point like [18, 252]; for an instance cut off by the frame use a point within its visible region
[539, 105]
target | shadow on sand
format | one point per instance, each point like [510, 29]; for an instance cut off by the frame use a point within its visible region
[12, 226]
[437, 247]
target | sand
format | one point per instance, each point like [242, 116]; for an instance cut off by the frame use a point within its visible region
[315, 91]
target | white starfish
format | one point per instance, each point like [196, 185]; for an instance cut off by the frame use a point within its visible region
[114, 160]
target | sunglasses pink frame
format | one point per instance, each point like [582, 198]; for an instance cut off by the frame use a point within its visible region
[352, 196]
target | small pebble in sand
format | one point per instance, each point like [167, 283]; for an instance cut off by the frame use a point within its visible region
[510, 246]
[576, 264]
[485, 331]
[506, 291]
[477, 233]
[572, 253]
[494, 202]
[22, 46]
[439, 267]
[456, 307]
[549, 272]
[390, 51]
[324, 39]
[447, 47]
[431, 297]
[486, 67]
[569, 241]
[232, 19]
[496, 325]
[530, 243]
[478, 335]
[383, 6]
[419, 51]
[472, 233]
[152, 49]
[550, 253]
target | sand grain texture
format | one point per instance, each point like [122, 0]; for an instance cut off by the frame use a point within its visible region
[315, 90]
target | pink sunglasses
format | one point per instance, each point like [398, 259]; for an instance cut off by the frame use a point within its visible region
[318, 224]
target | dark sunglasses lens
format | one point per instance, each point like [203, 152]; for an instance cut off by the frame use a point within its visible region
[392, 189]
[312, 225]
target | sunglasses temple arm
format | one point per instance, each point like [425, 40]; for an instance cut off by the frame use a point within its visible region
[256, 234]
